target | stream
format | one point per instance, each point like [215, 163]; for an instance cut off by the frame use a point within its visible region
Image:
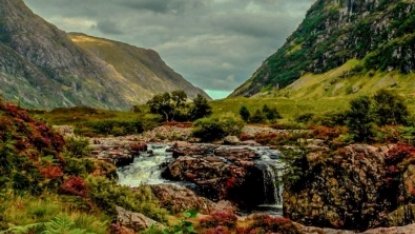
[147, 169]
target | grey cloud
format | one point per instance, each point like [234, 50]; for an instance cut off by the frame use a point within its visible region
[109, 27]
[215, 44]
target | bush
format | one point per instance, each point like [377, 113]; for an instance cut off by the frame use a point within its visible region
[389, 109]
[77, 147]
[107, 194]
[210, 129]
[244, 113]
[359, 119]
[258, 117]
[112, 127]
[271, 114]
[200, 108]
[304, 118]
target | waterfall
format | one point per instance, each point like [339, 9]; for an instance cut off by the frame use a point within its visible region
[271, 171]
[270, 187]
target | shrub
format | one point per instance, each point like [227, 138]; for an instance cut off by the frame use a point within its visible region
[200, 108]
[77, 147]
[271, 114]
[389, 109]
[113, 127]
[304, 118]
[244, 113]
[258, 117]
[107, 194]
[359, 119]
[216, 128]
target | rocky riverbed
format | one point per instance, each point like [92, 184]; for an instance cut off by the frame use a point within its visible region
[355, 187]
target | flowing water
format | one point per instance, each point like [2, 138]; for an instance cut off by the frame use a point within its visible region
[148, 166]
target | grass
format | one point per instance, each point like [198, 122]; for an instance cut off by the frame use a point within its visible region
[27, 213]
[96, 122]
[288, 108]
[324, 93]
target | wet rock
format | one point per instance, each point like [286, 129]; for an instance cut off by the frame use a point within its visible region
[118, 150]
[179, 199]
[134, 221]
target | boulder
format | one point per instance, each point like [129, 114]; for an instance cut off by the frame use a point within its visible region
[355, 187]
[134, 221]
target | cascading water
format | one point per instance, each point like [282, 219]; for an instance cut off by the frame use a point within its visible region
[271, 170]
[146, 168]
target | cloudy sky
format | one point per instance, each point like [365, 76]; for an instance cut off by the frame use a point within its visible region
[215, 44]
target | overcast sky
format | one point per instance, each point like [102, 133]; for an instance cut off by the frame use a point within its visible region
[215, 44]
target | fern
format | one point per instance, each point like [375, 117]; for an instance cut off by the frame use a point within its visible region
[63, 225]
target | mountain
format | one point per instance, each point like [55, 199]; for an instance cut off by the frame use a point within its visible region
[343, 47]
[43, 67]
[142, 68]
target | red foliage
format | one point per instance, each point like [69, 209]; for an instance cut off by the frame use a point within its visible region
[398, 153]
[74, 186]
[225, 218]
[326, 133]
[51, 172]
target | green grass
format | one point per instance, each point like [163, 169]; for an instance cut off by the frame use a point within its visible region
[288, 108]
[26, 212]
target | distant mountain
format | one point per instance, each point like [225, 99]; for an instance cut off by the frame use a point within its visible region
[43, 67]
[343, 47]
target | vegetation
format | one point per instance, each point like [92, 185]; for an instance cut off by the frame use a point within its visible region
[216, 128]
[174, 107]
[263, 115]
[245, 113]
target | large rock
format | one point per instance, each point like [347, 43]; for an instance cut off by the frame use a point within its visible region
[179, 199]
[219, 173]
[135, 221]
[356, 187]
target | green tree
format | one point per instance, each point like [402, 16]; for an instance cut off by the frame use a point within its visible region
[359, 119]
[244, 113]
[389, 109]
[162, 104]
[200, 108]
[179, 98]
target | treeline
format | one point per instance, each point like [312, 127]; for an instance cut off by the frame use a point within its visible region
[175, 106]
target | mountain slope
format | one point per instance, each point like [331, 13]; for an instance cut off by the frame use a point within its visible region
[379, 34]
[41, 67]
[143, 68]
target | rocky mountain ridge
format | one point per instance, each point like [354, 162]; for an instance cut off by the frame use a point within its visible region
[379, 34]
[42, 67]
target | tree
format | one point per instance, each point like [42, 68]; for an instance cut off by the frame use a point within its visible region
[359, 119]
[271, 113]
[389, 109]
[179, 98]
[244, 113]
[162, 105]
[200, 108]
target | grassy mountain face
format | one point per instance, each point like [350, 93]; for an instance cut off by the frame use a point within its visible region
[143, 69]
[379, 34]
[41, 67]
